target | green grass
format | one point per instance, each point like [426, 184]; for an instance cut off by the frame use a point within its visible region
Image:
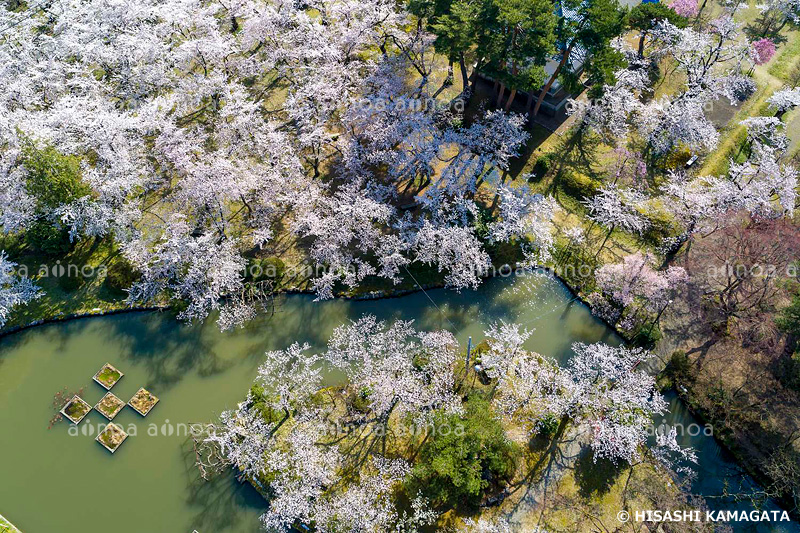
[76, 409]
[785, 66]
[89, 259]
[109, 376]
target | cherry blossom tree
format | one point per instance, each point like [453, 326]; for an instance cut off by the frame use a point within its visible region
[16, 205]
[303, 444]
[204, 131]
[634, 282]
[614, 398]
[614, 208]
[762, 51]
[710, 57]
[685, 8]
[240, 439]
[600, 388]
[486, 525]
[200, 269]
[775, 14]
[763, 185]
[524, 215]
[784, 100]
[15, 290]
[300, 471]
[402, 371]
[292, 375]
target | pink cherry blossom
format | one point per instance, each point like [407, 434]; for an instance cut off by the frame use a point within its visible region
[684, 8]
[762, 51]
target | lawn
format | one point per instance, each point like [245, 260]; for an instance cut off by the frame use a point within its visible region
[71, 284]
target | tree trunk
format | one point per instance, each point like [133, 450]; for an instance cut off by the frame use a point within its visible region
[462, 64]
[642, 36]
[610, 231]
[448, 81]
[500, 94]
[553, 78]
[510, 100]
[529, 105]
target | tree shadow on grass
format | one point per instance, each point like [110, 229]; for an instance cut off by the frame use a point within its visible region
[594, 476]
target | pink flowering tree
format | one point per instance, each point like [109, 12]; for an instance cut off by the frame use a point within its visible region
[684, 8]
[633, 291]
[762, 50]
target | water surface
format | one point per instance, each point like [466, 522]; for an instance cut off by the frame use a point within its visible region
[52, 481]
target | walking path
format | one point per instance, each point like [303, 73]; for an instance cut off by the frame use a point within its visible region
[555, 462]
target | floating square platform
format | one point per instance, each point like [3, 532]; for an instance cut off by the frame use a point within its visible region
[142, 402]
[109, 406]
[108, 376]
[76, 409]
[112, 437]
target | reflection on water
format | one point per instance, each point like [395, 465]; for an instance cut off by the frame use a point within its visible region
[719, 479]
[51, 481]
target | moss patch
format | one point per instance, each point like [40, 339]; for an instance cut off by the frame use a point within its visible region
[76, 409]
[108, 376]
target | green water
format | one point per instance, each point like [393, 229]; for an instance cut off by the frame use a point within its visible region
[52, 481]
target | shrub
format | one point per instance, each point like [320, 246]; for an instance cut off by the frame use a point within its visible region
[53, 178]
[505, 253]
[579, 185]
[677, 158]
[789, 371]
[360, 400]
[260, 400]
[647, 336]
[547, 426]
[678, 369]
[660, 226]
[542, 165]
[44, 237]
[789, 319]
[121, 275]
[478, 350]
[464, 457]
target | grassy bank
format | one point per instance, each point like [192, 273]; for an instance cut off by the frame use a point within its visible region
[6, 526]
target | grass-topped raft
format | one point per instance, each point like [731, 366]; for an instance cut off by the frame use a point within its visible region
[112, 437]
[108, 376]
[76, 409]
[109, 406]
[142, 402]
